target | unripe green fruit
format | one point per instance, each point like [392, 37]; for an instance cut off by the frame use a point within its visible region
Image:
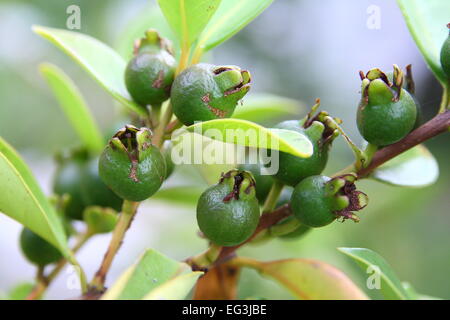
[319, 200]
[293, 169]
[69, 180]
[37, 250]
[167, 153]
[150, 73]
[95, 192]
[131, 165]
[263, 182]
[228, 213]
[77, 177]
[386, 112]
[445, 55]
[205, 92]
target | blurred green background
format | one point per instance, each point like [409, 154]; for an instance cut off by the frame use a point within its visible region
[298, 49]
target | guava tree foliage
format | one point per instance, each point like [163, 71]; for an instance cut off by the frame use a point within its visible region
[158, 77]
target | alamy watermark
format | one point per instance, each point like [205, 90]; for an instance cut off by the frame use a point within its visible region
[229, 146]
[73, 21]
[374, 19]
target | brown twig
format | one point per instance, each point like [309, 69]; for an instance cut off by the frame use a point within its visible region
[439, 124]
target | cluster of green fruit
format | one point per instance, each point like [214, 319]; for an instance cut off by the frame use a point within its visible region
[132, 168]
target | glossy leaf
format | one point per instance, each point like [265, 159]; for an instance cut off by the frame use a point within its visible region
[414, 168]
[427, 23]
[105, 65]
[22, 199]
[188, 18]
[250, 134]
[175, 289]
[232, 16]
[264, 107]
[308, 279]
[180, 195]
[74, 106]
[390, 285]
[151, 271]
[150, 17]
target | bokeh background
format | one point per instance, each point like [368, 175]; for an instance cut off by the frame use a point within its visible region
[301, 49]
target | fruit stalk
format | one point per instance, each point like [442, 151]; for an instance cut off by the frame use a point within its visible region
[129, 210]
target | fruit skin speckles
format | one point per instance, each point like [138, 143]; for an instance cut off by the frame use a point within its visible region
[228, 213]
[205, 92]
[150, 73]
[131, 165]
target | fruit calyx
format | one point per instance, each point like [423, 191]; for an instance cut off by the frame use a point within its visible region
[132, 141]
[242, 184]
[376, 77]
[152, 43]
[321, 125]
[345, 197]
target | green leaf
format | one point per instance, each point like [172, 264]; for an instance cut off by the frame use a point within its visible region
[180, 195]
[390, 285]
[230, 18]
[22, 199]
[74, 106]
[188, 18]
[150, 272]
[414, 168]
[105, 65]
[21, 291]
[308, 279]
[263, 107]
[427, 22]
[175, 289]
[250, 134]
[150, 17]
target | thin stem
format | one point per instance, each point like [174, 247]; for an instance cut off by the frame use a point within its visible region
[284, 227]
[245, 262]
[158, 137]
[272, 197]
[45, 281]
[197, 55]
[445, 102]
[439, 124]
[129, 209]
[206, 258]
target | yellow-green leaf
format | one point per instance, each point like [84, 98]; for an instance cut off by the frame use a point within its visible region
[188, 18]
[74, 106]
[390, 285]
[308, 279]
[22, 199]
[427, 22]
[150, 272]
[105, 65]
[250, 134]
[232, 16]
[175, 289]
